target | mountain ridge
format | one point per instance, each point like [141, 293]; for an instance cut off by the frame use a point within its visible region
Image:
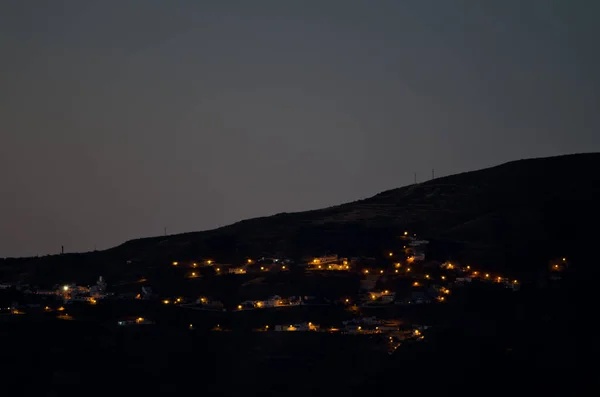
[514, 215]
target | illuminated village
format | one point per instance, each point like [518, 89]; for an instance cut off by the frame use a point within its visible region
[272, 298]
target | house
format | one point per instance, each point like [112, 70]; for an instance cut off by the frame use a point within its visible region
[381, 297]
[419, 256]
[462, 280]
[136, 321]
[448, 266]
[302, 327]
[318, 262]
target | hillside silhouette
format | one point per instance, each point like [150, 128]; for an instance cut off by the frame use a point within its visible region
[514, 216]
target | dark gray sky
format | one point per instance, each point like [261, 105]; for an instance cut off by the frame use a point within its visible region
[118, 118]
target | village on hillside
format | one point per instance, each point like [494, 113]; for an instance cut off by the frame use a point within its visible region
[396, 297]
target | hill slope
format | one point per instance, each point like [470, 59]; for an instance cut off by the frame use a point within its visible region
[516, 215]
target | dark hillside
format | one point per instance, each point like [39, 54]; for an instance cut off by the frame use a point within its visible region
[515, 216]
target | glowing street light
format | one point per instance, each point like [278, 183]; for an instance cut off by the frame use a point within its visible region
[175, 263]
[65, 288]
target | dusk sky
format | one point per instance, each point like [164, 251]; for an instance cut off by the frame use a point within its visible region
[119, 118]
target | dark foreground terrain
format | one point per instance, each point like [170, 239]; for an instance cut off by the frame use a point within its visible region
[535, 342]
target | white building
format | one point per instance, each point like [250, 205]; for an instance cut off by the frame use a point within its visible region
[324, 260]
[382, 296]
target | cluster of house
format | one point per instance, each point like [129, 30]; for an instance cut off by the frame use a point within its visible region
[74, 293]
[135, 321]
[330, 262]
[251, 265]
[395, 332]
[467, 275]
[274, 301]
[431, 294]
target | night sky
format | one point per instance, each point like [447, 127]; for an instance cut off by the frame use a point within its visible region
[118, 118]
